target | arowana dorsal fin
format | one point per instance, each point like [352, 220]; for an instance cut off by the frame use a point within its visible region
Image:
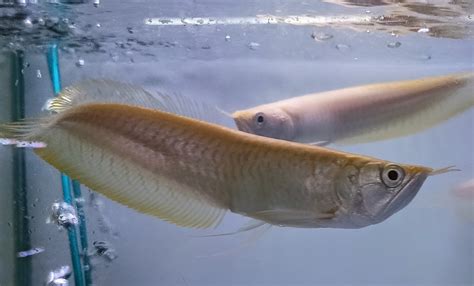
[109, 91]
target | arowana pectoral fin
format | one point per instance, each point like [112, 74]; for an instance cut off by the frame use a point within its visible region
[290, 216]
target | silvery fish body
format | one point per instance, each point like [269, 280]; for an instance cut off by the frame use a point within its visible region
[364, 113]
[191, 172]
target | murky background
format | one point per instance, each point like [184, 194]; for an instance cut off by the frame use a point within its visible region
[238, 54]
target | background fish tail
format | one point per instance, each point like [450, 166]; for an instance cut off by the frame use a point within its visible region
[438, 103]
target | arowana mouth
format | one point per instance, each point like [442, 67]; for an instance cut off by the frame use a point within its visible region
[242, 125]
[405, 195]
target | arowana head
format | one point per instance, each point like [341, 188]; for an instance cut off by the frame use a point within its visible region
[372, 192]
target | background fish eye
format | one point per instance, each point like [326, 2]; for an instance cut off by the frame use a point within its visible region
[392, 176]
[259, 118]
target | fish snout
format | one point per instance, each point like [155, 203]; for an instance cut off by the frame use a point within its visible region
[242, 121]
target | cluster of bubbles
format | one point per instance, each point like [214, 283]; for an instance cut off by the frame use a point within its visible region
[104, 249]
[63, 214]
[59, 276]
[30, 252]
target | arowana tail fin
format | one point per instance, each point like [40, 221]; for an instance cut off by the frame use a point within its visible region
[24, 133]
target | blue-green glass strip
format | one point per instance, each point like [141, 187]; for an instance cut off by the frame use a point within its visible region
[21, 222]
[72, 235]
[76, 187]
[53, 65]
[66, 186]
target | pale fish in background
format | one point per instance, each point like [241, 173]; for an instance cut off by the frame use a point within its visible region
[190, 172]
[463, 200]
[459, 200]
[364, 113]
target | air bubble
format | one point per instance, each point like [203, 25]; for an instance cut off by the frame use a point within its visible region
[80, 63]
[343, 47]
[425, 57]
[104, 249]
[59, 276]
[321, 36]
[63, 214]
[253, 45]
[394, 45]
[114, 57]
[27, 22]
[29, 252]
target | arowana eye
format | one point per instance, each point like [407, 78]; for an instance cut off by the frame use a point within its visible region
[392, 176]
[259, 118]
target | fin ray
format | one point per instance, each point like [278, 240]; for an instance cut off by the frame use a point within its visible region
[20, 133]
[109, 91]
[251, 225]
[290, 217]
